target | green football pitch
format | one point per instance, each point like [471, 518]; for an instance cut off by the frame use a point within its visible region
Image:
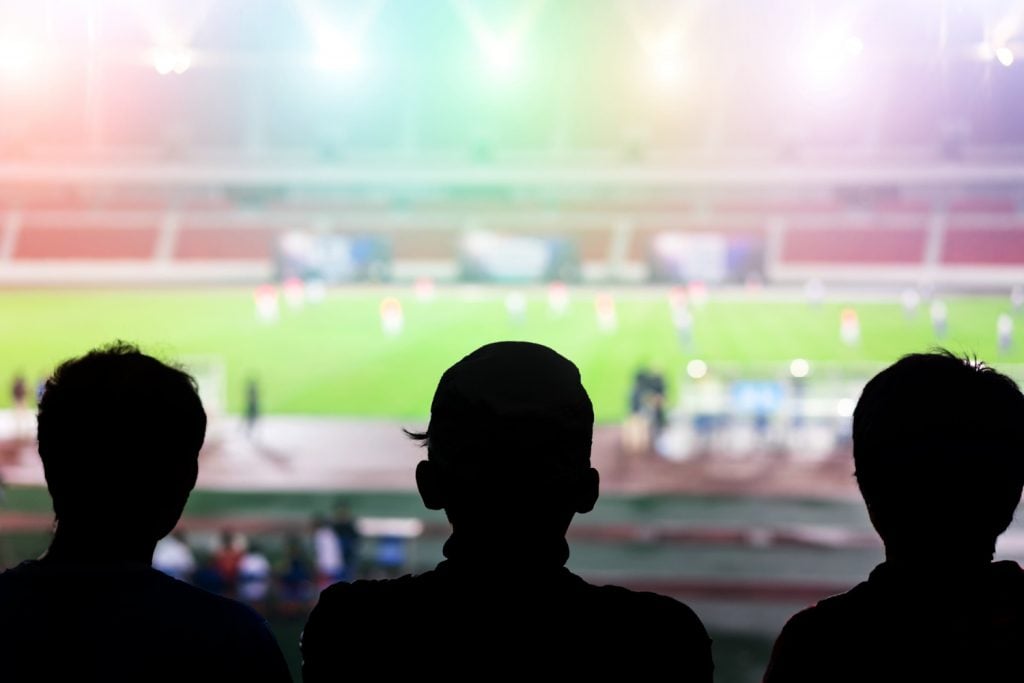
[332, 357]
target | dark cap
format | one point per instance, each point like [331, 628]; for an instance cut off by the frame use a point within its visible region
[514, 399]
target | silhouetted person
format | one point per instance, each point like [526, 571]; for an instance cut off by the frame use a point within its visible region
[508, 460]
[19, 405]
[119, 436]
[939, 452]
[252, 406]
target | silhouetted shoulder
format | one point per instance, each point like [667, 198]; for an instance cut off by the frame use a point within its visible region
[644, 606]
[115, 624]
[548, 622]
[894, 625]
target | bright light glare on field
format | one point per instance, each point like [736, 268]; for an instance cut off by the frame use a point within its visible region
[696, 368]
[1004, 55]
[799, 368]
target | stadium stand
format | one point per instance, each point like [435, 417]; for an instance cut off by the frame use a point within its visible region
[219, 243]
[189, 235]
[982, 204]
[850, 245]
[44, 240]
[423, 244]
[985, 245]
[901, 206]
[770, 207]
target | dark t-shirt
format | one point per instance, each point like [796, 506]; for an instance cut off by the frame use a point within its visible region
[59, 622]
[447, 623]
[910, 626]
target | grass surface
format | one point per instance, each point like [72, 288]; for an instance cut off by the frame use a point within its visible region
[332, 358]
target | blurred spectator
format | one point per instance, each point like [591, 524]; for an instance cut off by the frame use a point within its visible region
[637, 429]
[656, 399]
[40, 388]
[208, 577]
[647, 397]
[174, 557]
[327, 552]
[228, 555]
[296, 575]
[252, 406]
[348, 536]
[19, 405]
[19, 391]
[390, 557]
[253, 575]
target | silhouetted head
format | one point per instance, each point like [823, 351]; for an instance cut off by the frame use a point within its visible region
[509, 443]
[939, 453]
[119, 437]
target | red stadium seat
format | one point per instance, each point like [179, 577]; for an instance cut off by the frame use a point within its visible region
[782, 206]
[853, 245]
[902, 206]
[983, 205]
[85, 243]
[988, 246]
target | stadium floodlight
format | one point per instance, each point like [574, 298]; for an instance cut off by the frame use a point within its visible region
[501, 49]
[339, 54]
[828, 59]
[666, 65]
[171, 59]
[799, 368]
[339, 37]
[1004, 55]
[18, 56]
[696, 369]
[502, 55]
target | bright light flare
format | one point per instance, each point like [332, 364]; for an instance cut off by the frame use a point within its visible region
[18, 56]
[666, 66]
[799, 368]
[171, 59]
[696, 369]
[502, 56]
[1004, 55]
[829, 58]
[339, 54]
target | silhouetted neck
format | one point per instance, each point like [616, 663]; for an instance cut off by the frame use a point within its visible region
[499, 554]
[949, 561]
[936, 569]
[103, 548]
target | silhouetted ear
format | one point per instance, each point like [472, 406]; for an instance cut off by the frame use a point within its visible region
[587, 487]
[430, 483]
